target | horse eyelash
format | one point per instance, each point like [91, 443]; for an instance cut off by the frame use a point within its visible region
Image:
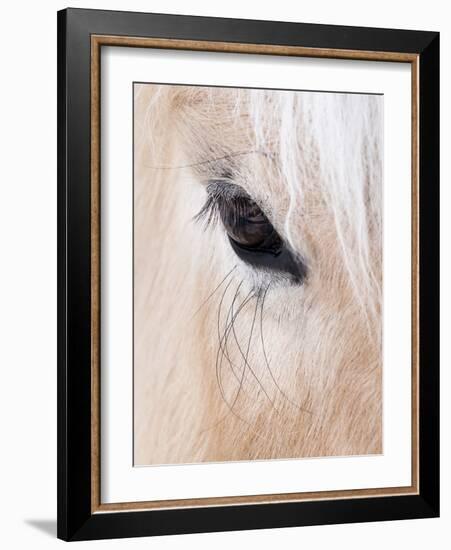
[209, 212]
[225, 201]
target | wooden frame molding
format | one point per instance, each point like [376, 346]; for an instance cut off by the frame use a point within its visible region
[81, 36]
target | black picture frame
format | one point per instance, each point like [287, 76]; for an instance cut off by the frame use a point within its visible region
[76, 520]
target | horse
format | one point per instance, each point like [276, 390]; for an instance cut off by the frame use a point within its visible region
[257, 274]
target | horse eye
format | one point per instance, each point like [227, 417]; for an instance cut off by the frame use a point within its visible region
[248, 227]
[251, 235]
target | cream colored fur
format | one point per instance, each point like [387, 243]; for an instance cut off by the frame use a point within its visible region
[301, 373]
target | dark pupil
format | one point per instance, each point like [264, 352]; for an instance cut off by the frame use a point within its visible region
[248, 226]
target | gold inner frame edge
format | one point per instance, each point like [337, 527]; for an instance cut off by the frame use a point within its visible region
[97, 41]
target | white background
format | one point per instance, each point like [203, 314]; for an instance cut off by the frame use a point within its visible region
[120, 482]
[28, 273]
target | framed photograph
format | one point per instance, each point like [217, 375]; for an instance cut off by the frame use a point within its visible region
[248, 274]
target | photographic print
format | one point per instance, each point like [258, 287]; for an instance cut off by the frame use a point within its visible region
[257, 286]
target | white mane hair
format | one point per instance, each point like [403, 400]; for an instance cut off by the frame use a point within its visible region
[234, 362]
